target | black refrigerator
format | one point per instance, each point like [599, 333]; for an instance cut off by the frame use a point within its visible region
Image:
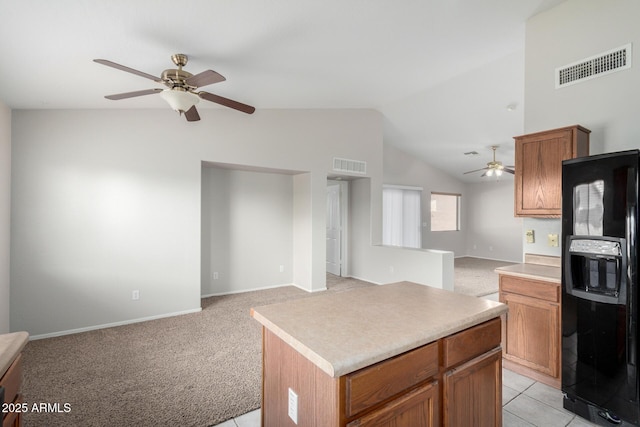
[599, 287]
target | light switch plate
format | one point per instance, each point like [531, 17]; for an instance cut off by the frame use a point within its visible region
[553, 240]
[530, 236]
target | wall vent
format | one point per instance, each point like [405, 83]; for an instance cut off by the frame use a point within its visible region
[595, 66]
[351, 166]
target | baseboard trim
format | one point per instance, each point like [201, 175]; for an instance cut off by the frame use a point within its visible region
[242, 291]
[366, 280]
[488, 259]
[111, 325]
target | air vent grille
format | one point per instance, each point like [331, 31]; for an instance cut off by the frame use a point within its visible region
[351, 166]
[599, 65]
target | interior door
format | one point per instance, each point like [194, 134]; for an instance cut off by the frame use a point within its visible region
[334, 229]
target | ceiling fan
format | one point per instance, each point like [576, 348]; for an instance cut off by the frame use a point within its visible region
[181, 88]
[494, 167]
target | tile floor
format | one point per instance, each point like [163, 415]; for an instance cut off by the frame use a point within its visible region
[525, 403]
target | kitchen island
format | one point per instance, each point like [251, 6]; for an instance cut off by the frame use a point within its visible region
[402, 353]
[11, 346]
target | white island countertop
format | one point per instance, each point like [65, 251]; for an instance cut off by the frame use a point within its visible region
[342, 332]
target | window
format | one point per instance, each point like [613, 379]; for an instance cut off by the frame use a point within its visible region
[445, 212]
[401, 216]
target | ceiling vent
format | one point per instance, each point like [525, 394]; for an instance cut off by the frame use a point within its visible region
[351, 166]
[595, 66]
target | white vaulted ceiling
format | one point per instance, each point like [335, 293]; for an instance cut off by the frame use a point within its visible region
[442, 72]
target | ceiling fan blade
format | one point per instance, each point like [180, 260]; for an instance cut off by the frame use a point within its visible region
[205, 78]
[477, 170]
[227, 102]
[511, 171]
[192, 114]
[133, 94]
[127, 69]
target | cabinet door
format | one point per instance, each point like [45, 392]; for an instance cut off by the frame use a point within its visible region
[472, 392]
[417, 408]
[533, 333]
[538, 177]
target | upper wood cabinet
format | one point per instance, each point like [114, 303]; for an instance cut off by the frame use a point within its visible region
[538, 162]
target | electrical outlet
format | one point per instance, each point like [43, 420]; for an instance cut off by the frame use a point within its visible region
[293, 406]
[135, 295]
[282, 269]
[215, 275]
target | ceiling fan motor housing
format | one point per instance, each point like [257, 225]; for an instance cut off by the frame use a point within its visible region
[176, 79]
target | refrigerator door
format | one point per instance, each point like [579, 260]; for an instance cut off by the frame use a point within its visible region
[599, 297]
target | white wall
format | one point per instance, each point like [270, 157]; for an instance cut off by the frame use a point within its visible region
[488, 227]
[609, 105]
[401, 168]
[5, 211]
[302, 234]
[492, 230]
[108, 201]
[247, 230]
[388, 264]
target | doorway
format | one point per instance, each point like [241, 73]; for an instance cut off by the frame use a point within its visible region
[336, 219]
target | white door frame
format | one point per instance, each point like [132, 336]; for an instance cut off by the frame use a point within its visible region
[344, 224]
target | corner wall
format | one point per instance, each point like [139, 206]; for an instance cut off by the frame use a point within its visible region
[5, 215]
[492, 230]
[247, 230]
[389, 264]
[608, 105]
[401, 168]
[105, 202]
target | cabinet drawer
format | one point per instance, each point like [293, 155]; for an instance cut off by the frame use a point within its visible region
[12, 379]
[374, 384]
[471, 342]
[548, 291]
[418, 408]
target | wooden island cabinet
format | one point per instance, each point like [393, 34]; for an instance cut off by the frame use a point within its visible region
[11, 346]
[402, 355]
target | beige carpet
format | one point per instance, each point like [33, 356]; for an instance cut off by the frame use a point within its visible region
[194, 370]
[476, 276]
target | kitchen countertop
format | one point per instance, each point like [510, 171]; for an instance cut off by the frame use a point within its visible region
[532, 271]
[342, 332]
[10, 346]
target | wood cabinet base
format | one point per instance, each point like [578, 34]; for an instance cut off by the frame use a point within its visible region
[12, 382]
[456, 380]
[531, 333]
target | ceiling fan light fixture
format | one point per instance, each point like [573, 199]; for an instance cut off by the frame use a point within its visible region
[498, 172]
[180, 100]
